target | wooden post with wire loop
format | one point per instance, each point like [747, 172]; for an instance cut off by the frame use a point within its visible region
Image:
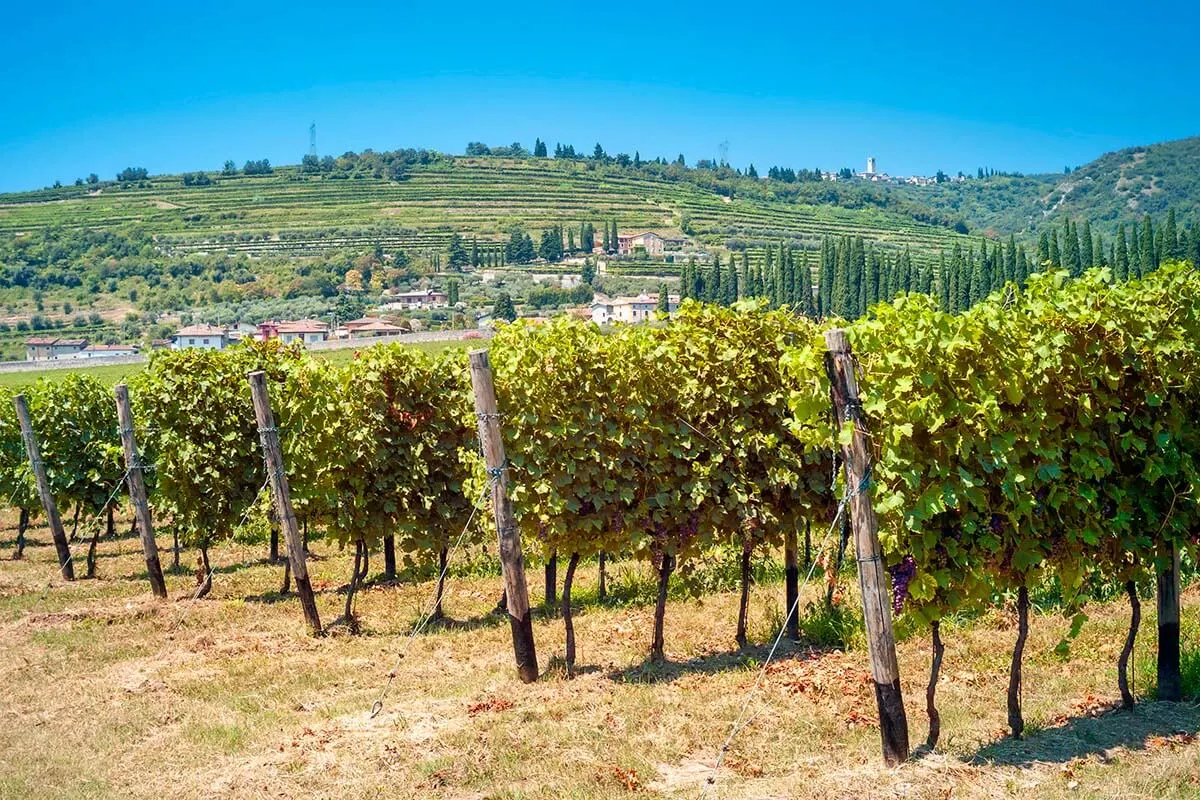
[512, 561]
[137, 491]
[53, 520]
[283, 498]
[877, 612]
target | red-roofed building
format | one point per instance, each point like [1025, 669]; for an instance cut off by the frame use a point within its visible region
[304, 331]
[52, 348]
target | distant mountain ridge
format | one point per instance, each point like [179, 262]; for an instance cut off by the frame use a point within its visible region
[1122, 186]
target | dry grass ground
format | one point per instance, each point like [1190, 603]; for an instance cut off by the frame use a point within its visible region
[107, 693]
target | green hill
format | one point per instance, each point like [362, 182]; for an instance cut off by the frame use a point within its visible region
[292, 213]
[1117, 187]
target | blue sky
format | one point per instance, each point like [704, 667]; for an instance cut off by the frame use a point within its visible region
[94, 87]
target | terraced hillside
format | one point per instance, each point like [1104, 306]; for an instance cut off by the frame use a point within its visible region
[1118, 187]
[290, 213]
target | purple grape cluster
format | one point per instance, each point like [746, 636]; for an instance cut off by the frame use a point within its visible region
[901, 574]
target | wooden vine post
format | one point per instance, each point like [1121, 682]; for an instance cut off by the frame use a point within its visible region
[876, 598]
[283, 498]
[1170, 683]
[516, 591]
[43, 487]
[137, 491]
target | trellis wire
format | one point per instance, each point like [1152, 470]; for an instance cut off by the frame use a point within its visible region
[377, 706]
[71, 550]
[743, 720]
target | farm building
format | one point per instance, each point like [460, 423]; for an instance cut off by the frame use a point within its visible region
[607, 310]
[650, 241]
[109, 350]
[368, 328]
[427, 298]
[53, 348]
[204, 335]
[304, 331]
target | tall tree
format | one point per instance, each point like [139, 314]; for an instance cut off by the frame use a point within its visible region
[459, 257]
[664, 299]
[504, 309]
[1086, 246]
[729, 283]
[1149, 260]
[1171, 238]
[808, 305]
[1135, 252]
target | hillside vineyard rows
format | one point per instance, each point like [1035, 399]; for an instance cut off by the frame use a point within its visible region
[1045, 437]
[471, 196]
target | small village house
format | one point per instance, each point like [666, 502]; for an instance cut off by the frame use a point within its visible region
[425, 298]
[368, 328]
[206, 336]
[651, 242]
[52, 348]
[304, 331]
[608, 310]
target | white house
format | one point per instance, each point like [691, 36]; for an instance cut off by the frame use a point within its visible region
[109, 350]
[52, 348]
[607, 310]
[427, 298]
[304, 331]
[205, 336]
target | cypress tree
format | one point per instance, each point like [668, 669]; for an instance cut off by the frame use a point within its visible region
[944, 288]
[712, 288]
[1086, 247]
[980, 285]
[841, 281]
[616, 239]
[854, 277]
[1171, 238]
[826, 279]
[1098, 259]
[1052, 255]
[1071, 248]
[729, 284]
[685, 281]
[1135, 252]
[607, 245]
[807, 305]
[965, 272]
[955, 273]
[1043, 253]
[1011, 270]
[870, 287]
[1149, 263]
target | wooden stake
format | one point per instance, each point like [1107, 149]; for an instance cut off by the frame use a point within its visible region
[1170, 683]
[512, 561]
[877, 612]
[283, 498]
[53, 520]
[791, 578]
[137, 491]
